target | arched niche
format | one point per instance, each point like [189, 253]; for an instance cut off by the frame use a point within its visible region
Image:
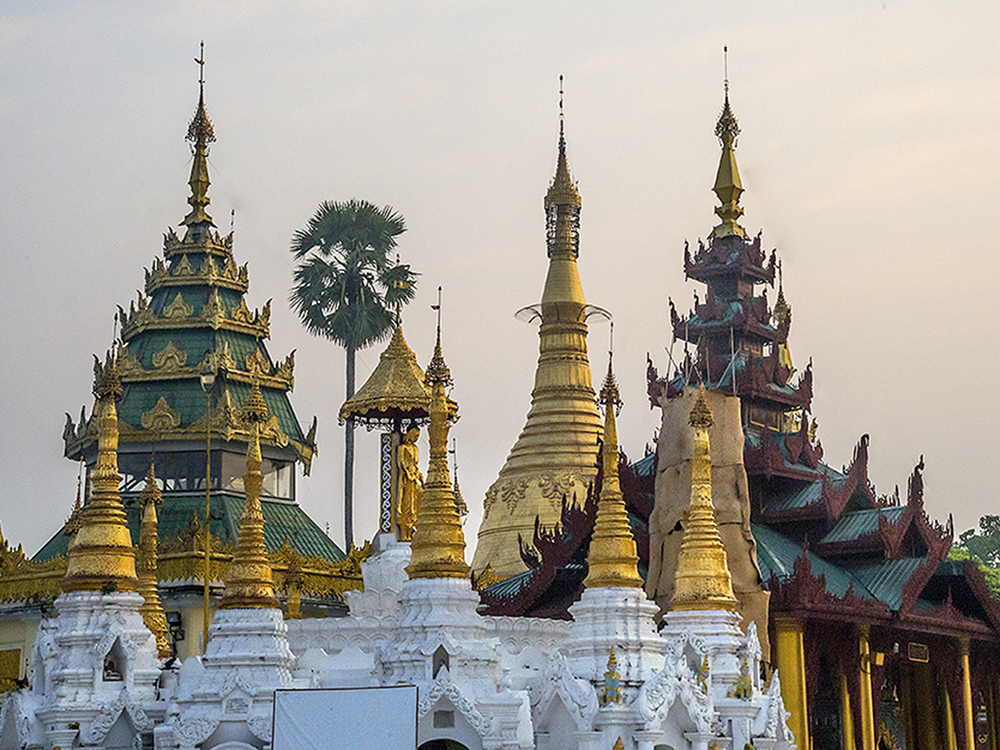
[554, 726]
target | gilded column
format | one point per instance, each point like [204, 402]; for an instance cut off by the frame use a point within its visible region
[790, 654]
[929, 709]
[949, 717]
[438, 546]
[101, 556]
[906, 698]
[846, 718]
[867, 710]
[970, 736]
[612, 557]
[151, 609]
[249, 584]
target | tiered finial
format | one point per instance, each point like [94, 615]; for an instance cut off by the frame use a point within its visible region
[728, 186]
[702, 580]
[612, 559]
[249, 584]
[101, 556]
[562, 201]
[200, 134]
[438, 546]
[146, 564]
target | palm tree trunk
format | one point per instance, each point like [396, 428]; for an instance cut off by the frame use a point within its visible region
[349, 460]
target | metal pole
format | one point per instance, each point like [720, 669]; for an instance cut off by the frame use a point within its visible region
[208, 510]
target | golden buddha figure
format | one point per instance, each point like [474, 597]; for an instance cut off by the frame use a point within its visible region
[411, 483]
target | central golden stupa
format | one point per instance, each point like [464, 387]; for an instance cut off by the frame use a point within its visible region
[555, 456]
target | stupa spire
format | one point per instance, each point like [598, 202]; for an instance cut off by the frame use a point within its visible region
[101, 556]
[554, 456]
[146, 564]
[438, 545]
[728, 186]
[702, 580]
[200, 134]
[249, 584]
[612, 559]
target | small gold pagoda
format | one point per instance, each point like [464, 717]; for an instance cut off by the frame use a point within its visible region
[702, 580]
[151, 610]
[555, 455]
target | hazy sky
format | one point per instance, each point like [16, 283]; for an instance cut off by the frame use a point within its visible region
[869, 155]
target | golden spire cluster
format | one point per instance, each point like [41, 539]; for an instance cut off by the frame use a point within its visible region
[249, 584]
[438, 546]
[728, 186]
[612, 557]
[101, 556]
[200, 134]
[146, 563]
[702, 580]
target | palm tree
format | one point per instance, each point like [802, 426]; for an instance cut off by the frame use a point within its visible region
[347, 289]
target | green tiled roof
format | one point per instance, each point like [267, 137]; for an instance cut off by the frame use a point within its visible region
[886, 578]
[282, 520]
[857, 523]
[776, 555]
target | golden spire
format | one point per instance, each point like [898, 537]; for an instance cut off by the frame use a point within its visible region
[438, 546]
[554, 456]
[728, 186]
[702, 580]
[151, 609]
[101, 556]
[248, 581]
[612, 557]
[783, 317]
[200, 134]
[562, 201]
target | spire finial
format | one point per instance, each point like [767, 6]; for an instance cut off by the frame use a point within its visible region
[200, 134]
[728, 186]
[725, 65]
[562, 114]
[702, 579]
[612, 559]
[562, 201]
[438, 544]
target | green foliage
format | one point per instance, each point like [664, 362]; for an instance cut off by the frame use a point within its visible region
[984, 548]
[346, 285]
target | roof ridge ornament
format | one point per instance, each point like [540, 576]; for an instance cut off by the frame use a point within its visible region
[200, 133]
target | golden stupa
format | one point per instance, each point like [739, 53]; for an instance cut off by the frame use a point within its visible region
[555, 456]
[146, 567]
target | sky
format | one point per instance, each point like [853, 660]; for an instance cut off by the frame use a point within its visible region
[869, 155]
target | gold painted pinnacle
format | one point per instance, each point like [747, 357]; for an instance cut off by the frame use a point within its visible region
[146, 566]
[101, 556]
[249, 584]
[702, 580]
[200, 133]
[438, 544]
[728, 186]
[612, 559]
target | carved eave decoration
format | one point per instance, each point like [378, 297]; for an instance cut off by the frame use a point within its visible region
[171, 364]
[179, 314]
[729, 255]
[182, 274]
[208, 242]
[27, 581]
[752, 317]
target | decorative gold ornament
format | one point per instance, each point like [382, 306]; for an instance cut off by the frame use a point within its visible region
[410, 482]
[146, 566]
[438, 546]
[618, 744]
[702, 580]
[161, 418]
[200, 134]
[178, 308]
[101, 556]
[728, 186]
[249, 584]
[170, 358]
[612, 559]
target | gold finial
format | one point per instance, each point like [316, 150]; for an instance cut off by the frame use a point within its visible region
[101, 556]
[783, 317]
[249, 584]
[728, 186]
[702, 580]
[612, 558]
[200, 133]
[438, 546]
[618, 744]
[562, 201]
[460, 506]
[146, 565]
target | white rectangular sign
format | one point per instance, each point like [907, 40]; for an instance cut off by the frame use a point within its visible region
[355, 718]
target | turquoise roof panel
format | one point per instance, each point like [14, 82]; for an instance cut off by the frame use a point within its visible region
[887, 578]
[855, 524]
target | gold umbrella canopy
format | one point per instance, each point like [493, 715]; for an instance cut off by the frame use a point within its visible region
[394, 393]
